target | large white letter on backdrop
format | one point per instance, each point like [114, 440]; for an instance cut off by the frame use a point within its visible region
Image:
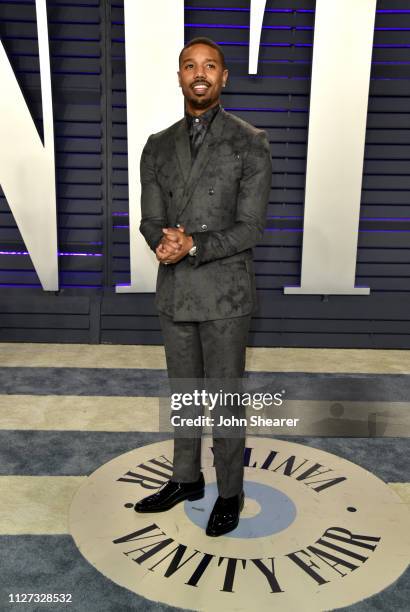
[151, 67]
[27, 170]
[339, 95]
[255, 31]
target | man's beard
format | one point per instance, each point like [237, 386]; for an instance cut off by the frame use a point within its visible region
[200, 103]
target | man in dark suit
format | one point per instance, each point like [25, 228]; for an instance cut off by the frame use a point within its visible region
[205, 187]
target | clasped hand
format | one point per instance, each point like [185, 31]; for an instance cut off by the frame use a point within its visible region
[175, 244]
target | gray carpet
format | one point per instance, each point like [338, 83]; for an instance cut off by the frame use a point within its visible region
[38, 564]
[153, 383]
[79, 453]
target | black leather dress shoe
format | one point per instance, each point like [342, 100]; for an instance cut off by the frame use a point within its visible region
[225, 515]
[171, 494]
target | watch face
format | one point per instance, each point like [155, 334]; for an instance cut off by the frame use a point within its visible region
[192, 251]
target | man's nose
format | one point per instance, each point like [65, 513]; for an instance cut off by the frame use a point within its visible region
[199, 72]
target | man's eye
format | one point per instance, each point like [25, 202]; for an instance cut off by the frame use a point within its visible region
[211, 65]
[188, 66]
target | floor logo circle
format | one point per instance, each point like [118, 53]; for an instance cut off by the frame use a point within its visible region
[276, 511]
[317, 532]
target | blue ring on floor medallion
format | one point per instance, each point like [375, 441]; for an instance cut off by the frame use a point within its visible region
[277, 511]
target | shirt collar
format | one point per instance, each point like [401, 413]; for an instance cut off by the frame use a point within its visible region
[205, 119]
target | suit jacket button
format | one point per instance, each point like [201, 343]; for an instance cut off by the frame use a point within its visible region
[211, 191]
[204, 227]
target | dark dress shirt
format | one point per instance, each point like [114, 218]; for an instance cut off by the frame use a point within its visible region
[198, 126]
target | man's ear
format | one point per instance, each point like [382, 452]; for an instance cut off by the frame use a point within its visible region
[225, 77]
[179, 78]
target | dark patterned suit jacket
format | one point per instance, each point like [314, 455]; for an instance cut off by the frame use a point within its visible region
[221, 201]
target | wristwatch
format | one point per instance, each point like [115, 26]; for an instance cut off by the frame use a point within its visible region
[192, 252]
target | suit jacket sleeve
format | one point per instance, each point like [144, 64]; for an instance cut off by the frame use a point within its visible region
[153, 212]
[253, 197]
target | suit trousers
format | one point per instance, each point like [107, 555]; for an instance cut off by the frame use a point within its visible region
[208, 350]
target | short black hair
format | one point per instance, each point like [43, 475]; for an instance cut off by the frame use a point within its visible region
[203, 40]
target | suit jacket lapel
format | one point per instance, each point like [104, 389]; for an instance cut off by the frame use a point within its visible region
[205, 151]
[183, 149]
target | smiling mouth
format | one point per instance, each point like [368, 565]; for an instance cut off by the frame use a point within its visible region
[200, 87]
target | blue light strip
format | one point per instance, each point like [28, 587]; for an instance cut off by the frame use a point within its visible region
[270, 10]
[33, 21]
[223, 43]
[382, 231]
[291, 63]
[265, 27]
[300, 217]
[243, 27]
[37, 285]
[238, 10]
[369, 231]
[60, 254]
[266, 110]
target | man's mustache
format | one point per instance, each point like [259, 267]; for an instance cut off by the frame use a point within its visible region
[201, 82]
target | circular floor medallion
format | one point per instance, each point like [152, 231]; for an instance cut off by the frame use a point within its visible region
[317, 532]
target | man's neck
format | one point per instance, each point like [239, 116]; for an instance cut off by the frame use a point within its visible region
[197, 112]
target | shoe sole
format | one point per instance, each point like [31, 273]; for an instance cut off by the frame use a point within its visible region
[192, 497]
[196, 496]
